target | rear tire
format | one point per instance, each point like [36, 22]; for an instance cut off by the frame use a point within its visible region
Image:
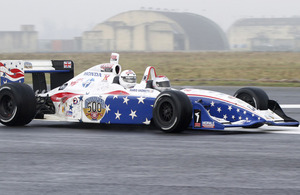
[256, 97]
[172, 111]
[17, 104]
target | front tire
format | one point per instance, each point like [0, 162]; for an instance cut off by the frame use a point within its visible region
[172, 111]
[256, 97]
[17, 104]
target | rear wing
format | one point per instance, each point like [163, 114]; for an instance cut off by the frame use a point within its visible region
[60, 72]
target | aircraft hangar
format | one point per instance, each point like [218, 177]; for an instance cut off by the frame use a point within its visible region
[145, 30]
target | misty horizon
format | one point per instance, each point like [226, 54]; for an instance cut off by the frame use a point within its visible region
[68, 19]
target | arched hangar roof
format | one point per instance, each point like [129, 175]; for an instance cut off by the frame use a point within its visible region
[203, 33]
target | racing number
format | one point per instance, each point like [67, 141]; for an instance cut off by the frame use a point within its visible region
[197, 118]
[94, 107]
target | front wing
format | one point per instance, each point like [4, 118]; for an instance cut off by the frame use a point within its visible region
[203, 120]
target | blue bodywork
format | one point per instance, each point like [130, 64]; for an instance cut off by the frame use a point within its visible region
[129, 109]
[207, 113]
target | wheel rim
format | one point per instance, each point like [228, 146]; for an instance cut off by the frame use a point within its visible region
[7, 107]
[166, 111]
[247, 98]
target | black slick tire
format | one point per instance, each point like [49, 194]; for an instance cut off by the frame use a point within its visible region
[17, 104]
[172, 111]
[256, 97]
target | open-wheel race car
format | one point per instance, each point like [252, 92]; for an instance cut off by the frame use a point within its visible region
[106, 94]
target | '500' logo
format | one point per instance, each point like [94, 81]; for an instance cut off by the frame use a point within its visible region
[94, 108]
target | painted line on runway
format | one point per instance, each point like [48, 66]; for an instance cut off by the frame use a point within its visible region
[290, 105]
[281, 130]
[52, 117]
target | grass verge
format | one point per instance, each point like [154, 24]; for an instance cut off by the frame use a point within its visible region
[195, 68]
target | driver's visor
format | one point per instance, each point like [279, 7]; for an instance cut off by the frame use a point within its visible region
[163, 84]
[129, 79]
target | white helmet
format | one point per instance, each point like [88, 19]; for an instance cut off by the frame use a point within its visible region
[128, 79]
[161, 83]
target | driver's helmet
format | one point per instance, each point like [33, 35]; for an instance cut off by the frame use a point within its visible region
[128, 79]
[161, 83]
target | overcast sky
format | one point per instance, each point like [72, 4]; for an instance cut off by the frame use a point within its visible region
[65, 19]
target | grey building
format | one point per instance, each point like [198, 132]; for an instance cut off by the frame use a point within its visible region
[265, 34]
[25, 40]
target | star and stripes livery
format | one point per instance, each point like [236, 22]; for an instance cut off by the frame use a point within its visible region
[11, 71]
[227, 113]
[108, 109]
[225, 109]
[128, 110]
[93, 97]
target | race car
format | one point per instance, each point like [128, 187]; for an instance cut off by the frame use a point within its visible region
[106, 94]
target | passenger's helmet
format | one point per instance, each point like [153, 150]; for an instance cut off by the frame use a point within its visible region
[128, 79]
[161, 83]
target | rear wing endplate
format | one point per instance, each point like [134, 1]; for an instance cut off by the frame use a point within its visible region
[60, 72]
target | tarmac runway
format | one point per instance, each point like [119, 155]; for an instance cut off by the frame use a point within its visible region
[72, 158]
